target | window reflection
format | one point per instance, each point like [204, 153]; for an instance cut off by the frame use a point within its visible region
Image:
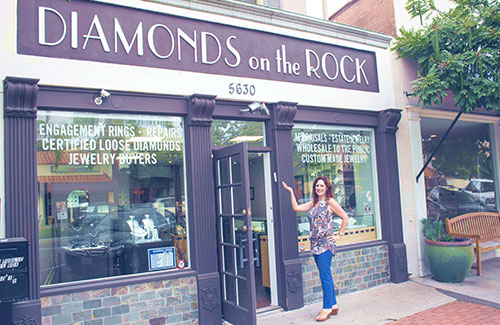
[226, 133]
[459, 178]
[111, 195]
[347, 157]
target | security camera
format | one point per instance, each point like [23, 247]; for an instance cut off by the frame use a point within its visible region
[256, 107]
[253, 107]
[104, 93]
[263, 109]
[98, 99]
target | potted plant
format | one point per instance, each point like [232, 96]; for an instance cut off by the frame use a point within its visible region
[449, 258]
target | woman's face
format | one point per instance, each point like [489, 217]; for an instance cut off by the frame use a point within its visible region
[320, 188]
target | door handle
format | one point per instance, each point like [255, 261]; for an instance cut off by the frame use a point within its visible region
[244, 228]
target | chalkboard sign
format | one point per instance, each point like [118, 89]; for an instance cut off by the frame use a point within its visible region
[14, 279]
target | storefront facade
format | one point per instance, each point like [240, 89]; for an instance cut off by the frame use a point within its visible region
[144, 148]
[468, 182]
[449, 161]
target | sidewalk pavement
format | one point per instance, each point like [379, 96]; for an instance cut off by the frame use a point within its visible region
[417, 301]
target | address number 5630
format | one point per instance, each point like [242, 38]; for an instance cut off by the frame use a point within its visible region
[241, 89]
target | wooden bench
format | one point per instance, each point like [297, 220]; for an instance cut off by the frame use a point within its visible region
[482, 227]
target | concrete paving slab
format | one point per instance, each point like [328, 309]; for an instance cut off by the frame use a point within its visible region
[420, 297]
[485, 287]
[377, 305]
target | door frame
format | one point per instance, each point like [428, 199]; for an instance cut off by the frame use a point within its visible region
[270, 221]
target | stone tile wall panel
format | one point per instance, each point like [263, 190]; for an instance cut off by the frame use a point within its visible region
[159, 302]
[352, 271]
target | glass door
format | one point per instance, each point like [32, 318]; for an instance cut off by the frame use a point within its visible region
[235, 239]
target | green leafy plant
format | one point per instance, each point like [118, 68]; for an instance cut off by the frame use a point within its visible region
[419, 7]
[435, 230]
[456, 52]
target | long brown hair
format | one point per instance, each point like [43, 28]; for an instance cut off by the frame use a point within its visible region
[329, 188]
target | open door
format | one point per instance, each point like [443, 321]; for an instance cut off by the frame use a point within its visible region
[234, 238]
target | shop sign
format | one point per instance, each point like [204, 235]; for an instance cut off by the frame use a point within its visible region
[337, 147]
[89, 141]
[92, 31]
[161, 258]
[61, 210]
[14, 281]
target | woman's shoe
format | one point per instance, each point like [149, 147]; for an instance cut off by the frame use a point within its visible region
[324, 315]
[334, 311]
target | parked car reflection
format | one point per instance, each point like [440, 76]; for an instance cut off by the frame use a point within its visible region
[106, 225]
[448, 202]
[482, 190]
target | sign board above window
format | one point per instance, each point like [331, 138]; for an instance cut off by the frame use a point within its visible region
[92, 31]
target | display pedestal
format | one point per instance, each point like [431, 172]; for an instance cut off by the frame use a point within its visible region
[356, 235]
[135, 255]
[264, 255]
[91, 263]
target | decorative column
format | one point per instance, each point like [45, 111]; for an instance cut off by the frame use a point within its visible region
[412, 225]
[289, 266]
[21, 204]
[201, 207]
[389, 192]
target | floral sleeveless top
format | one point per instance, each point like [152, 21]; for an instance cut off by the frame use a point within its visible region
[321, 220]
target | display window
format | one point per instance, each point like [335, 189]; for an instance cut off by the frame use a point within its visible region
[347, 157]
[229, 132]
[459, 178]
[111, 196]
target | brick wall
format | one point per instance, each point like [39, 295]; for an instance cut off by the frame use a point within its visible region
[159, 302]
[376, 15]
[352, 271]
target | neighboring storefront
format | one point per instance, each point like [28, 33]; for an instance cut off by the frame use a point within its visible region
[461, 176]
[145, 146]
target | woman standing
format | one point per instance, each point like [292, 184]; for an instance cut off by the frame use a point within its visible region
[321, 211]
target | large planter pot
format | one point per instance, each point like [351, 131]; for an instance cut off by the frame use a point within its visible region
[449, 261]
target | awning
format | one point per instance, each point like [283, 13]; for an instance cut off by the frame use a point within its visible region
[103, 178]
[49, 158]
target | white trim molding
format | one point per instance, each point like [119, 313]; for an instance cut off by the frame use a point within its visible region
[281, 18]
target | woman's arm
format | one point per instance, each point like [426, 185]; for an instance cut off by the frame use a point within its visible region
[295, 206]
[335, 207]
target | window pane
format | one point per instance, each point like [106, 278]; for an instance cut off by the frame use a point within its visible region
[238, 200]
[111, 195]
[347, 157]
[226, 133]
[230, 288]
[235, 169]
[227, 230]
[459, 178]
[229, 257]
[225, 201]
[223, 171]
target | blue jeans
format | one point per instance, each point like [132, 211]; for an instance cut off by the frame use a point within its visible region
[323, 262]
